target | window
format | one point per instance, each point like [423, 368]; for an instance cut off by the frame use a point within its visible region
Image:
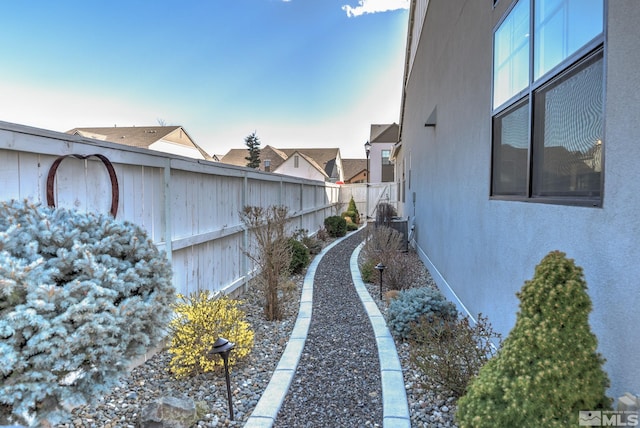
[296, 161]
[267, 165]
[386, 154]
[548, 102]
[386, 170]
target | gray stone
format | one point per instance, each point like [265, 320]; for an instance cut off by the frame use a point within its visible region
[168, 412]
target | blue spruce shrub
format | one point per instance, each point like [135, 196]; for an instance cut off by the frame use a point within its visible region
[81, 295]
[414, 305]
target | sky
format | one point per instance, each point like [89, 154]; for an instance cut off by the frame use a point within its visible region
[298, 73]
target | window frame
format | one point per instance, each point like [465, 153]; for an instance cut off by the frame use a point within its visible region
[596, 46]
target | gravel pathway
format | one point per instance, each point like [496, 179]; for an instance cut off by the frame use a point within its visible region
[337, 382]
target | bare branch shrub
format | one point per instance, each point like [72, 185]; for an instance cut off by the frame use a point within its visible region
[450, 352]
[272, 254]
[385, 212]
[384, 245]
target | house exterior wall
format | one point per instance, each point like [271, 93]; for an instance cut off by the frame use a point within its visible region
[304, 169]
[360, 177]
[481, 250]
[375, 165]
[176, 149]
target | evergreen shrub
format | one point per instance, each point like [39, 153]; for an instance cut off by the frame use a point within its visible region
[351, 226]
[81, 296]
[547, 369]
[367, 270]
[300, 256]
[415, 305]
[200, 319]
[336, 226]
[352, 208]
[350, 217]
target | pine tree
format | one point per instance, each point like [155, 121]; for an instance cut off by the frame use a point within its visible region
[253, 145]
[547, 369]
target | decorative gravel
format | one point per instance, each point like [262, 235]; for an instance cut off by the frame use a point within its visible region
[429, 405]
[337, 383]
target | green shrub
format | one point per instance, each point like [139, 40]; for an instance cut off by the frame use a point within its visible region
[352, 212]
[449, 352]
[353, 208]
[351, 217]
[547, 369]
[299, 256]
[199, 320]
[336, 226]
[415, 305]
[367, 270]
[81, 296]
[351, 227]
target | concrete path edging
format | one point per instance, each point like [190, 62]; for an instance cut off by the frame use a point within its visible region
[395, 408]
[394, 396]
[265, 412]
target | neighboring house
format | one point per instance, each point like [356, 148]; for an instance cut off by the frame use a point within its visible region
[318, 164]
[355, 170]
[519, 136]
[167, 139]
[300, 165]
[382, 139]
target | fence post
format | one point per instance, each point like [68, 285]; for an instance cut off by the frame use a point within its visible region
[168, 238]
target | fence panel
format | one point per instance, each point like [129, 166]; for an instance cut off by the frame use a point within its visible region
[189, 208]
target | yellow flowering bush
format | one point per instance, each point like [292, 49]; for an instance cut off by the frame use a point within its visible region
[199, 320]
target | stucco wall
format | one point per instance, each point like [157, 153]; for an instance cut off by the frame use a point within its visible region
[481, 250]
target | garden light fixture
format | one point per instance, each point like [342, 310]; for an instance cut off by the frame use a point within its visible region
[223, 348]
[380, 267]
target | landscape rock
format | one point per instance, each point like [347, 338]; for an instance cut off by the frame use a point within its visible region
[169, 412]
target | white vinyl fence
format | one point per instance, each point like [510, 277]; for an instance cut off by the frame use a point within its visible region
[189, 207]
[367, 196]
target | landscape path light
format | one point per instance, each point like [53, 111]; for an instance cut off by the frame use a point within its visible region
[223, 348]
[380, 267]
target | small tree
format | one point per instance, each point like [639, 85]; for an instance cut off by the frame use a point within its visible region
[273, 254]
[253, 145]
[548, 368]
[352, 212]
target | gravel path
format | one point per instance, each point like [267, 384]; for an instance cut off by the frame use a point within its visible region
[337, 382]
